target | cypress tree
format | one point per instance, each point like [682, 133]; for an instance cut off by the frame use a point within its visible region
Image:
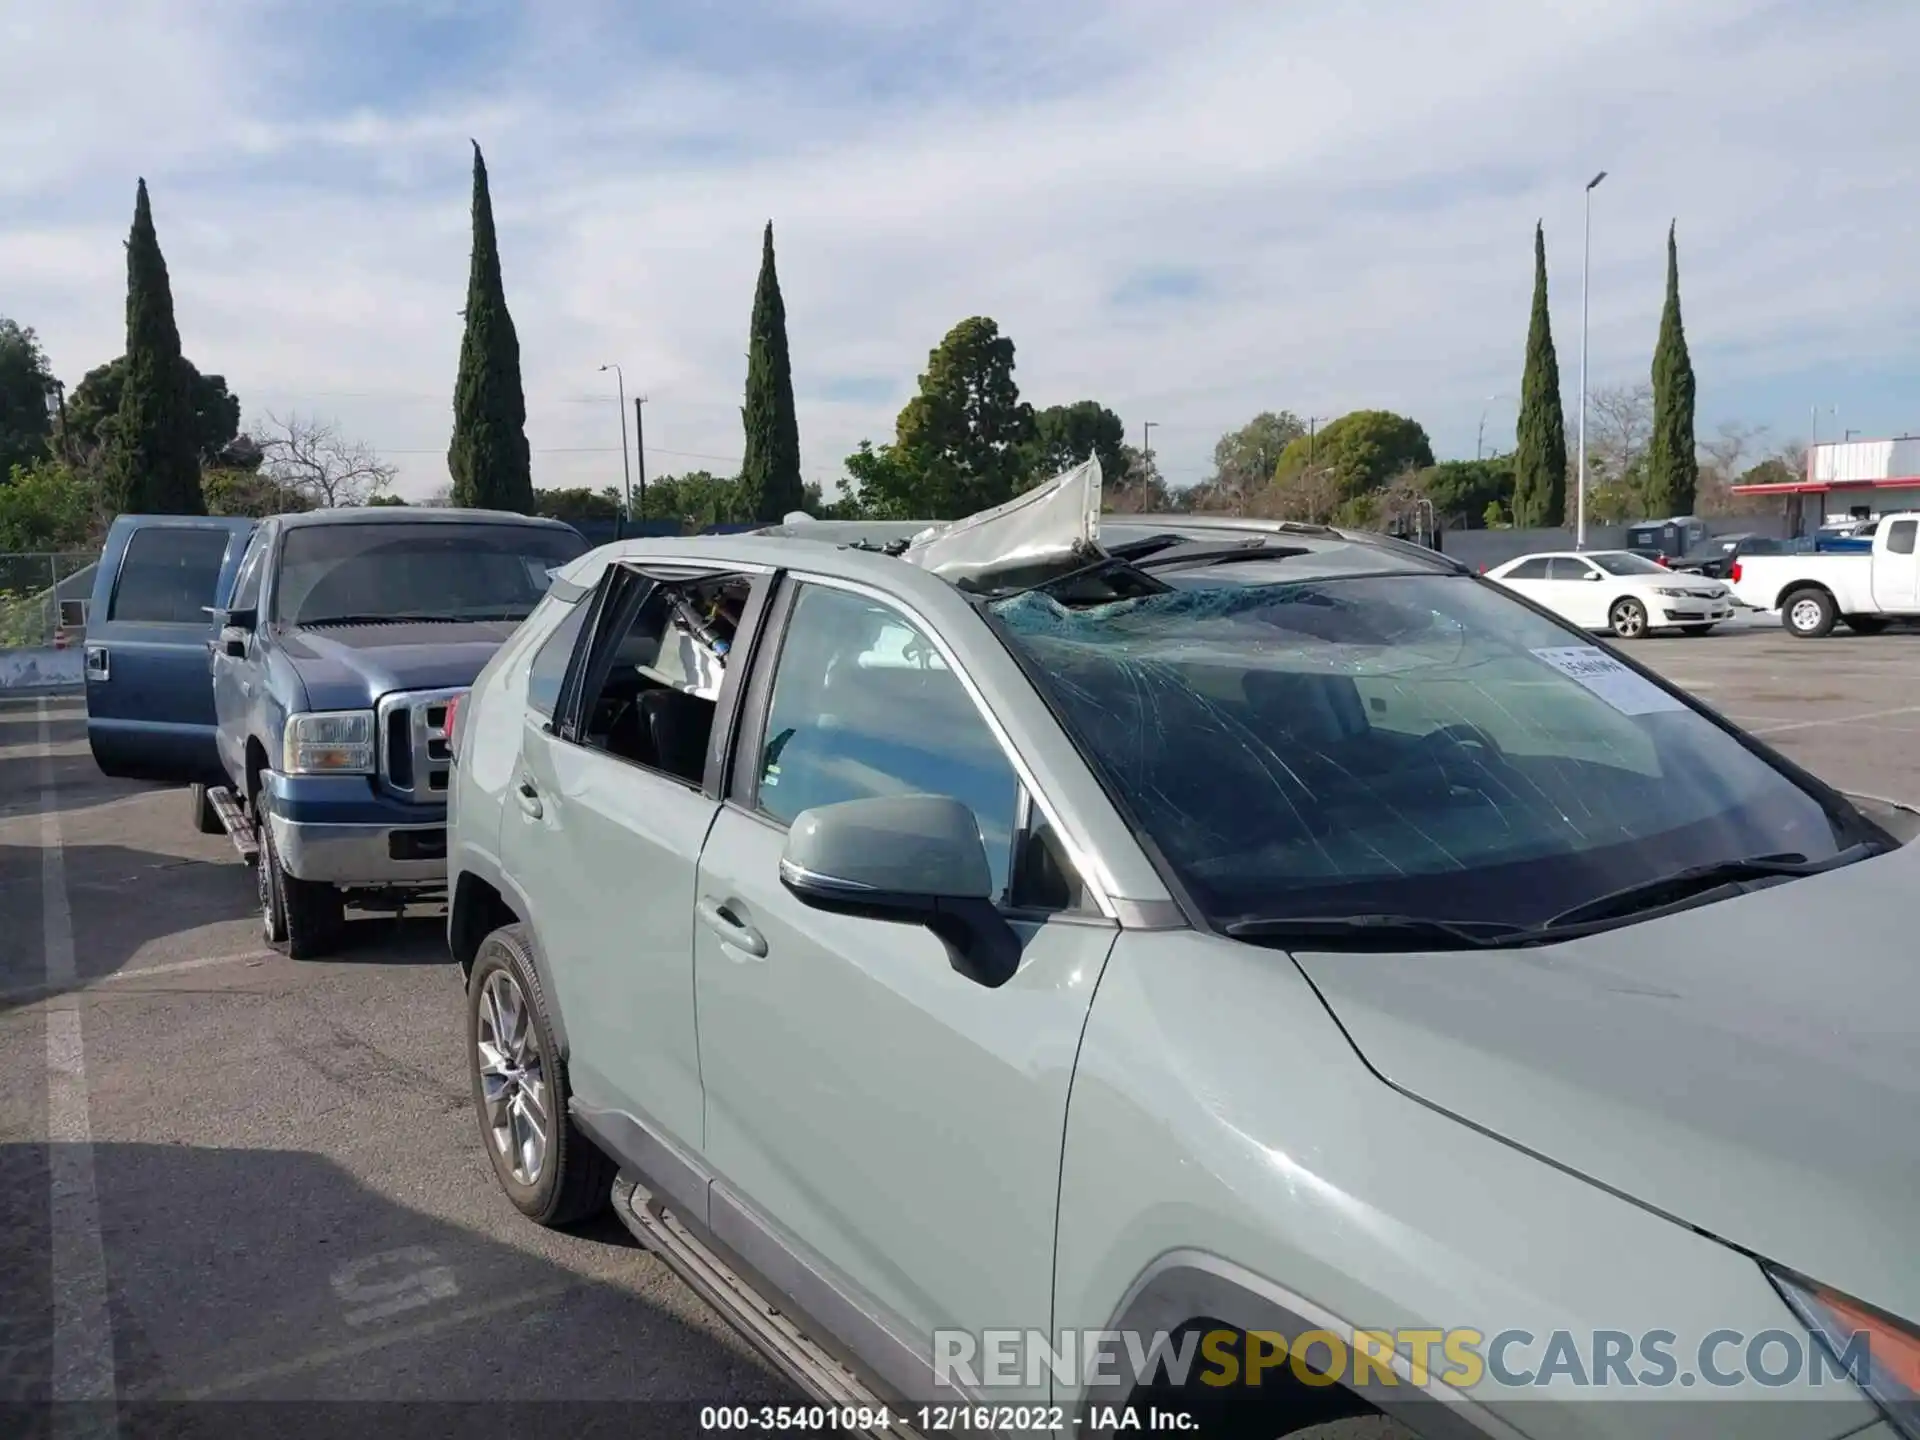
[1540, 450]
[770, 484]
[1673, 466]
[152, 463]
[488, 458]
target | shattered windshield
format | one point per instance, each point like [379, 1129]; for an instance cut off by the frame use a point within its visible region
[1411, 744]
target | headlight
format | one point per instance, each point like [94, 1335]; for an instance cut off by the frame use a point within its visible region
[334, 742]
[1881, 1353]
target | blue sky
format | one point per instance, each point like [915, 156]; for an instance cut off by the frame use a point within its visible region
[1190, 213]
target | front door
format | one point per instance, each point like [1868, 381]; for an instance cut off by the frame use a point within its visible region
[1896, 569]
[1574, 592]
[892, 1124]
[150, 712]
[609, 809]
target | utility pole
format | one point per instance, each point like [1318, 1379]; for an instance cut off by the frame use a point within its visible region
[1313, 423]
[1146, 438]
[1586, 258]
[640, 447]
[626, 468]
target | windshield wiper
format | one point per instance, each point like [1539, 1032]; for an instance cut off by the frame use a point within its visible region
[1381, 932]
[1701, 880]
[1391, 932]
[401, 617]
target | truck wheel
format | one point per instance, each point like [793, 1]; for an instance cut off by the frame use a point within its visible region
[1808, 614]
[302, 917]
[1627, 618]
[206, 820]
[551, 1172]
[1866, 624]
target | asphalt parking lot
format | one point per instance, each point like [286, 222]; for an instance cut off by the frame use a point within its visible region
[226, 1175]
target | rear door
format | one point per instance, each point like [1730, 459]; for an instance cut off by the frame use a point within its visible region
[150, 709]
[1896, 567]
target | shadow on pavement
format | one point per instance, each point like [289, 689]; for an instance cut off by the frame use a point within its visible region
[276, 1276]
[125, 900]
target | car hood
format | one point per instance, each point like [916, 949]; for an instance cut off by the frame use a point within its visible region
[1748, 1067]
[349, 666]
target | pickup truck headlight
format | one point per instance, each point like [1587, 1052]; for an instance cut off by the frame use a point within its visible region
[1882, 1352]
[332, 742]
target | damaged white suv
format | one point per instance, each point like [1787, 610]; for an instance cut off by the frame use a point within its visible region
[1260, 975]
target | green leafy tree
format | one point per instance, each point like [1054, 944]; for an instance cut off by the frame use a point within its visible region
[1540, 451]
[385, 500]
[491, 466]
[234, 491]
[1673, 462]
[1244, 460]
[46, 505]
[152, 452]
[1462, 490]
[578, 503]
[1065, 435]
[1354, 455]
[695, 499]
[770, 484]
[95, 404]
[958, 444]
[25, 383]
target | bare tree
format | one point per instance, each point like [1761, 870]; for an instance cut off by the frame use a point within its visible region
[1311, 495]
[315, 461]
[1619, 429]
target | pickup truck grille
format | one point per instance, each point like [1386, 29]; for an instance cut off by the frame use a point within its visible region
[414, 754]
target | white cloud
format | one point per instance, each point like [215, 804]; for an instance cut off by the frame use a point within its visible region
[1352, 188]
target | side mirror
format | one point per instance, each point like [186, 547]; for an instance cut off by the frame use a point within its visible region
[1593, 575]
[914, 859]
[236, 626]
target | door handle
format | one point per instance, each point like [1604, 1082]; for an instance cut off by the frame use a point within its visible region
[529, 798]
[717, 918]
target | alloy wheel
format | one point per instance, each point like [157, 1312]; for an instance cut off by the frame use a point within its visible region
[513, 1078]
[1629, 620]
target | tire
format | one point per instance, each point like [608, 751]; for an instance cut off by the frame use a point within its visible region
[1706, 629]
[1359, 1427]
[1866, 624]
[1627, 618]
[1808, 614]
[568, 1178]
[303, 918]
[206, 820]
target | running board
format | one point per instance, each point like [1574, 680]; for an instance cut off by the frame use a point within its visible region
[769, 1331]
[235, 821]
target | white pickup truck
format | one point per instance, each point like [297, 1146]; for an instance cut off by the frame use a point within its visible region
[1815, 592]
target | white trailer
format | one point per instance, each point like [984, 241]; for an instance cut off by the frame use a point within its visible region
[1813, 593]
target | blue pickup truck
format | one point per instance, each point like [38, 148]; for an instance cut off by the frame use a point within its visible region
[301, 674]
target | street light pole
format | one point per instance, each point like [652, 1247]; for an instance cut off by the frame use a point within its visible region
[626, 462]
[1586, 265]
[1480, 438]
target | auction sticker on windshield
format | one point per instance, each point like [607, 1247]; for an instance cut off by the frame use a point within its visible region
[1627, 692]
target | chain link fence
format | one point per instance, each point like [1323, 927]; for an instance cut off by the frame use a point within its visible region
[43, 599]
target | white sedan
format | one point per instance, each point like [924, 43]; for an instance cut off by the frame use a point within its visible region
[1617, 590]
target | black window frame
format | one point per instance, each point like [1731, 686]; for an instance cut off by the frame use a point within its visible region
[200, 617]
[258, 544]
[1583, 569]
[741, 783]
[610, 610]
[577, 612]
[1517, 573]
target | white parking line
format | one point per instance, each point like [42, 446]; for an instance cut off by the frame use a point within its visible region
[333, 1354]
[1835, 720]
[83, 1370]
[140, 972]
